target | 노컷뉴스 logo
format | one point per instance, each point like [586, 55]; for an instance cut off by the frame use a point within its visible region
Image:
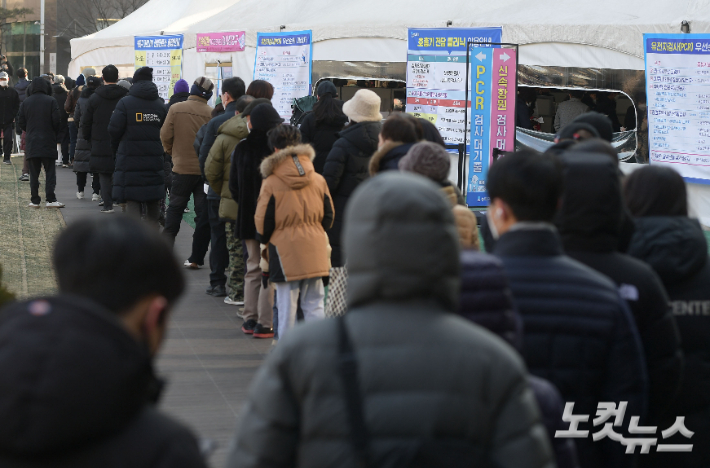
[607, 409]
[143, 117]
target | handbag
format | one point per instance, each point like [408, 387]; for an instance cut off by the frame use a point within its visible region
[336, 304]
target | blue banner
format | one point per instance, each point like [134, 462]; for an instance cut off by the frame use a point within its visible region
[158, 42]
[481, 97]
[283, 39]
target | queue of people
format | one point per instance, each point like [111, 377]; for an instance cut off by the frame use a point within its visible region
[426, 352]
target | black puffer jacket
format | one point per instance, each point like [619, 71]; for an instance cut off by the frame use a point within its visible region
[82, 154]
[322, 136]
[345, 168]
[463, 399]
[487, 301]
[579, 334]
[135, 136]
[60, 94]
[95, 123]
[177, 97]
[9, 105]
[21, 88]
[589, 224]
[39, 117]
[78, 391]
[387, 157]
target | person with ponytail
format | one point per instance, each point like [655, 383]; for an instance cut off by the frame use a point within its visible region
[321, 127]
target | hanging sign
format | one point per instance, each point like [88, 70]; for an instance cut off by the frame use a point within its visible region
[164, 55]
[220, 42]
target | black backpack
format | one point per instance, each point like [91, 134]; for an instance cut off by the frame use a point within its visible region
[301, 106]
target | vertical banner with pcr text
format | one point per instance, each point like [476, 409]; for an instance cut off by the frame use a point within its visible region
[164, 55]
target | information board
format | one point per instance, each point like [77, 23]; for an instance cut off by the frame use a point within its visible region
[285, 61]
[436, 76]
[678, 96]
[493, 89]
[164, 55]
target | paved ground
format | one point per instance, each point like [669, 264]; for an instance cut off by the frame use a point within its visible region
[207, 360]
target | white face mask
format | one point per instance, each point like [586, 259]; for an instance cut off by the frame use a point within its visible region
[491, 224]
[4, 83]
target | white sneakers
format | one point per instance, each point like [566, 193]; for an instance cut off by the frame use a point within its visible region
[80, 195]
[95, 197]
[33, 205]
[191, 266]
[55, 204]
[229, 301]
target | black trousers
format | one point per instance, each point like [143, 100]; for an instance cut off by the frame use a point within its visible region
[50, 171]
[219, 254]
[183, 186]
[73, 133]
[81, 182]
[63, 139]
[152, 211]
[106, 189]
[7, 140]
[201, 237]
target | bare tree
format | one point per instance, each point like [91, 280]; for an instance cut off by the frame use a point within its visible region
[82, 17]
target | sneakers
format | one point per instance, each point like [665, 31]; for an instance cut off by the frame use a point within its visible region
[54, 204]
[95, 197]
[65, 165]
[219, 291]
[7, 161]
[106, 210]
[80, 195]
[33, 205]
[186, 210]
[101, 201]
[191, 266]
[249, 326]
[24, 178]
[261, 331]
[234, 302]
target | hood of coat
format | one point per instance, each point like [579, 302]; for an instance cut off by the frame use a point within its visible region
[389, 151]
[87, 92]
[235, 127]
[450, 194]
[401, 242]
[590, 217]
[674, 246]
[59, 89]
[111, 92]
[144, 90]
[293, 165]
[70, 374]
[364, 135]
[40, 85]
[178, 97]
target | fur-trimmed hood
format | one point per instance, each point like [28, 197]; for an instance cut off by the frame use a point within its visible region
[269, 165]
[387, 157]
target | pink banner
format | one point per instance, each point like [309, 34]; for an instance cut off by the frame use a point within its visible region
[220, 42]
[503, 99]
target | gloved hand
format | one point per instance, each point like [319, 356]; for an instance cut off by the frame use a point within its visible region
[265, 279]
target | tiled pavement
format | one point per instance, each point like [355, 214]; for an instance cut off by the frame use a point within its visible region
[206, 359]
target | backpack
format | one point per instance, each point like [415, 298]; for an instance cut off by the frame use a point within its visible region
[301, 106]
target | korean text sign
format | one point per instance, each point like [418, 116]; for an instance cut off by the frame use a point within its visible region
[164, 55]
[678, 96]
[285, 61]
[436, 76]
[220, 42]
[493, 88]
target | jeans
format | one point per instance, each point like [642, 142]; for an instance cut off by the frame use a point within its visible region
[106, 189]
[312, 294]
[73, 132]
[50, 171]
[152, 211]
[81, 182]
[7, 141]
[184, 185]
[63, 140]
[201, 237]
[219, 255]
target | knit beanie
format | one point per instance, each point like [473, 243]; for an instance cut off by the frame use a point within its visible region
[599, 121]
[124, 84]
[143, 74]
[87, 72]
[80, 81]
[428, 159]
[202, 87]
[181, 86]
[93, 82]
[250, 107]
[264, 117]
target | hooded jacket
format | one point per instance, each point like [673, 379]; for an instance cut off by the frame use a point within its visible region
[245, 180]
[345, 168]
[487, 301]
[9, 105]
[463, 399]
[95, 123]
[218, 163]
[589, 223]
[322, 135]
[60, 93]
[78, 391]
[177, 97]
[466, 223]
[82, 153]
[178, 133]
[579, 333]
[292, 214]
[39, 117]
[210, 132]
[387, 157]
[675, 247]
[135, 136]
